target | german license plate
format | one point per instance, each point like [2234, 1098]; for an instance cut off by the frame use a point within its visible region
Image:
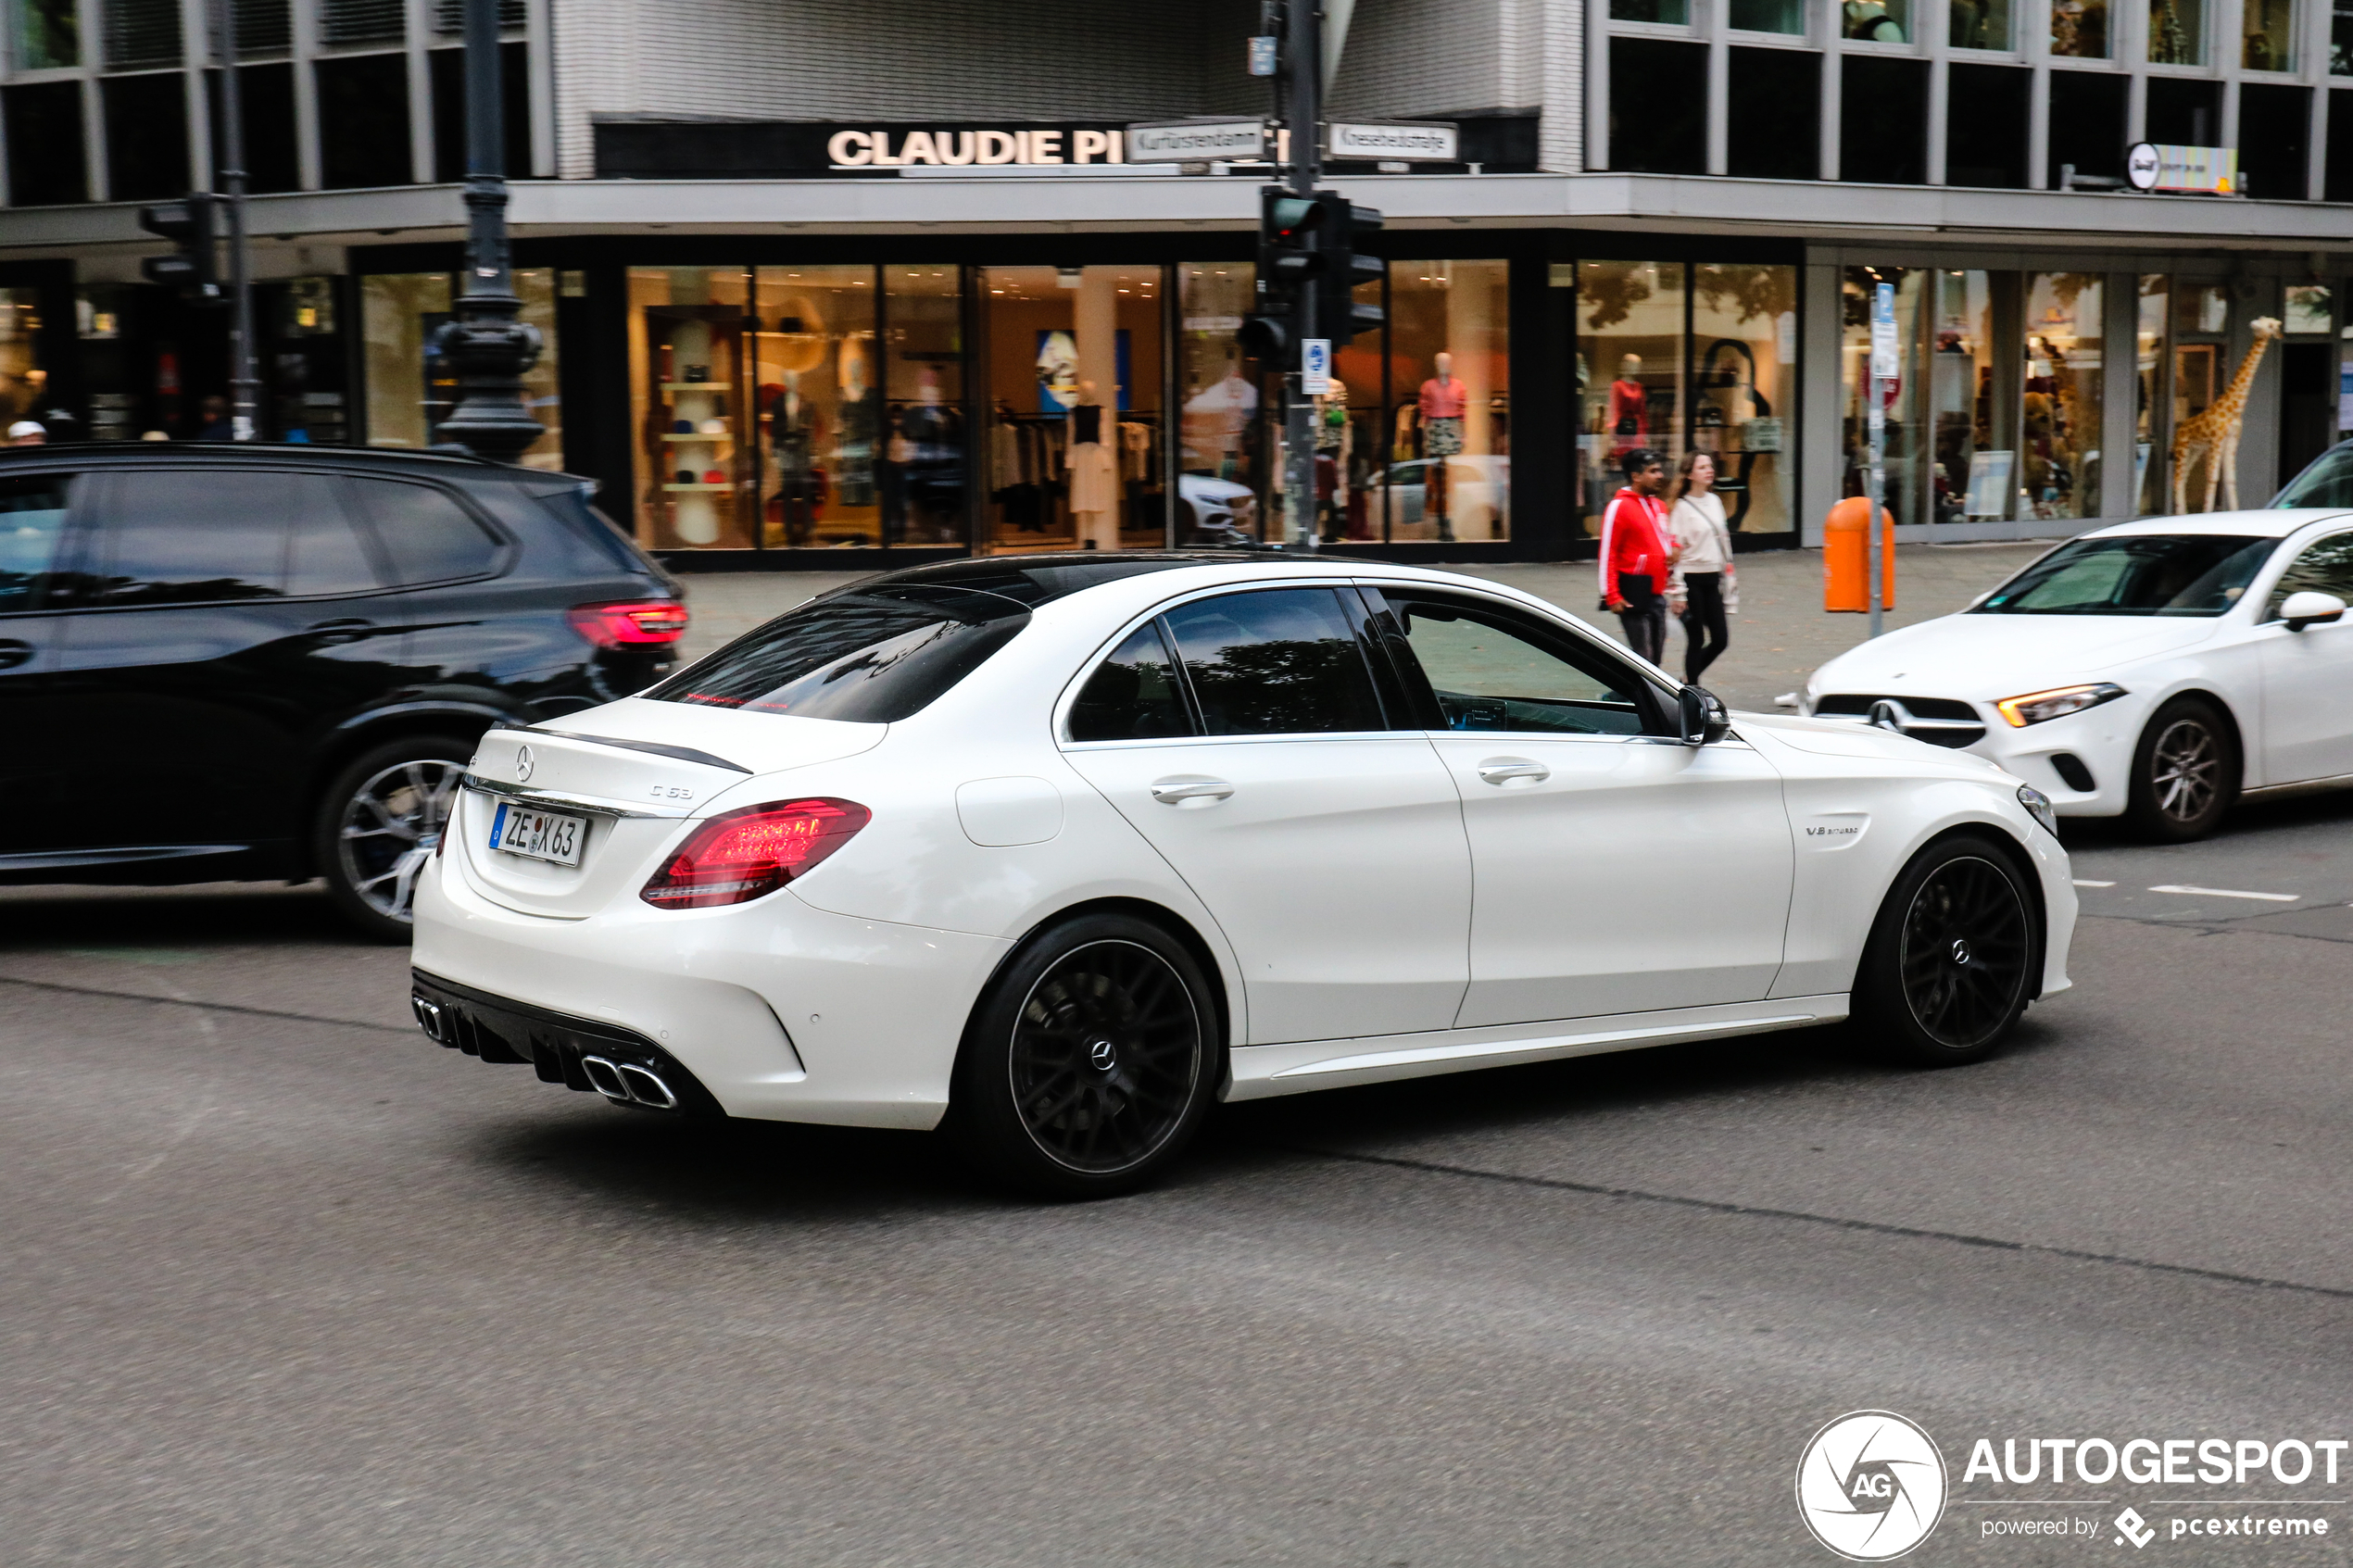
[541, 835]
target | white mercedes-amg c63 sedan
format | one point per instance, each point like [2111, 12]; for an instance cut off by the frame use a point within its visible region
[1053, 852]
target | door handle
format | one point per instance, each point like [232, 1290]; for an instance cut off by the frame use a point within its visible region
[348, 630]
[13, 653]
[1504, 770]
[1175, 792]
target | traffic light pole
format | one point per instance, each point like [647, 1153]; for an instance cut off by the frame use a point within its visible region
[244, 384]
[487, 344]
[1302, 86]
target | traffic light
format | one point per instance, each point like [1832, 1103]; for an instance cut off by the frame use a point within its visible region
[192, 269]
[1338, 316]
[1286, 264]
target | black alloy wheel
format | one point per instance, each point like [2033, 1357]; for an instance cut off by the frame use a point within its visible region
[2186, 773]
[379, 825]
[1089, 1064]
[1951, 958]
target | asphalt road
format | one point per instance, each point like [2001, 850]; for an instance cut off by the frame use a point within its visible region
[286, 1284]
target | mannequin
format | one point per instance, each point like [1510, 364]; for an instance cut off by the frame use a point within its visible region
[1442, 400]
[1628, 419]
[1094, 475]
[1334, 439]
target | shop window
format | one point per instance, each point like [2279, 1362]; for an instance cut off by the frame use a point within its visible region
[1352, 453]
[2184, 113]
[2338, 170]
[2177, 34]
[2307, 400]
[2267, 34]
[1767, 16]
[1658, 106]
[925, 415]
[303, 364]
[1630, 372]
[1883, 120]
[2274, 131]
[1905, 473]
[2087, 123]
[2079, 28]
[1972, 459]
[1985, 126]
[410, 390]
[1222, 438]
[817, 420]
[1448, 424]
[147, 135]
[2341, 40]
[1073, 360]
[1979, 24]
[1876, 21]
[2305, 309]
[1745, 388]
[447, 74]
[691, 359]
[1773, 104]
[363, 120]
[2201, 321]
[45, 165]
[2060, 458]
[1674, 13]
[23, 379]
[140, 32]
[266, 92]
[45, 35]
[2149, 395]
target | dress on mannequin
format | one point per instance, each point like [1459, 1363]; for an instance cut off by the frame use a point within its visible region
[1628, 419]
[1094, 476]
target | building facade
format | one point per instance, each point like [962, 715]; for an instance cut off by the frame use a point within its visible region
[824, 284]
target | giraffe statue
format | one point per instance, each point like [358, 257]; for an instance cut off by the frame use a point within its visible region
[2215, 431]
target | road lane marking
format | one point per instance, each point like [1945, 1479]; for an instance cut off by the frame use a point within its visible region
[2228, 893]
[2081, 882]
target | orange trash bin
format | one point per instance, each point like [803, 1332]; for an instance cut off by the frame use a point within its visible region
[1846, 557]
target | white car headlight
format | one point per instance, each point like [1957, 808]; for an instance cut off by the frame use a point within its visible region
[2036, 707]
[2038, 805]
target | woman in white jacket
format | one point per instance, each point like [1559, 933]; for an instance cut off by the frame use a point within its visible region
[1700, 587]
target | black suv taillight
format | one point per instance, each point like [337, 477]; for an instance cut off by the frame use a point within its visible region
[741, 855]
[630, 622]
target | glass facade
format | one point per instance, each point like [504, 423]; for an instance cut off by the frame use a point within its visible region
[2079, 28]
[2059, 411]
[1221, 457]
[1969, 478]
[2177, 32]
[1447, 402]
[1979, 24]
[1876, 21]
[409, 389]
[23, 379]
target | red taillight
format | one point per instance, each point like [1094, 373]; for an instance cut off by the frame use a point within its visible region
[742, 854]
[632, 624]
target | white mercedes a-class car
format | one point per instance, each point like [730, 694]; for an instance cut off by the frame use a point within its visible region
[1052, 853]
[2157, 670]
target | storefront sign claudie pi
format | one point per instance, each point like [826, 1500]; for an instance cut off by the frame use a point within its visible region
[2203, 170]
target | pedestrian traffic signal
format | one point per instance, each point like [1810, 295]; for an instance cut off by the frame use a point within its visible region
[1287, 263]
[192, 269]
[1338, 314]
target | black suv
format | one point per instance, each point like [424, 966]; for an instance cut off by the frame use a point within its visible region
[259, 662]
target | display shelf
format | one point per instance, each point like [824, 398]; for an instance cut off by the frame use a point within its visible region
[698, 435]
[698, 386]
[702, 487]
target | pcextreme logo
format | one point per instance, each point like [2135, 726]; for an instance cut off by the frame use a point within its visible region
[1871, 1486]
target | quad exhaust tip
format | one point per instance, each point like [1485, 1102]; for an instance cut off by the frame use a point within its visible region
[625, 1083]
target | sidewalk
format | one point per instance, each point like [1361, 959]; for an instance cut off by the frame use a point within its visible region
[1779, 635]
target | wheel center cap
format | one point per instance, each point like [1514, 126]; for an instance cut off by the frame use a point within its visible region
[1104, 1055]
[1960, 949]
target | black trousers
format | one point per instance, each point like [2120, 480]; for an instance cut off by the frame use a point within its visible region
[1644, 617]
[1705, 632]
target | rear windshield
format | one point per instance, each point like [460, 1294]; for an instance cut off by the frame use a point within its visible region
[2135, 574]
[869, 656]
[2328, 482]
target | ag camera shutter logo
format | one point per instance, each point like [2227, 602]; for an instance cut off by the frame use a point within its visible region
[1871, 1486]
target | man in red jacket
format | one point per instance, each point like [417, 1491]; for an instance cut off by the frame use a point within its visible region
[1634, 554]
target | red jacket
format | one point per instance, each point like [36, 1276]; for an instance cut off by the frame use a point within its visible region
[1633, 541]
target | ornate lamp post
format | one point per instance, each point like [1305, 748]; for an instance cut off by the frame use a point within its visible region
[487, 346]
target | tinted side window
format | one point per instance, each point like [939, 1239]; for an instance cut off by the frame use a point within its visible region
[1133, 695]
[2324, 566]
[427, 536]
[32, 522]
[1277, 662]
[1491, 670]
[186, 537]
[327, 555]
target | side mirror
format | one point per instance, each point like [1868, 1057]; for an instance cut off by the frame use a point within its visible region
[1700, 718]
[2310, 608]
